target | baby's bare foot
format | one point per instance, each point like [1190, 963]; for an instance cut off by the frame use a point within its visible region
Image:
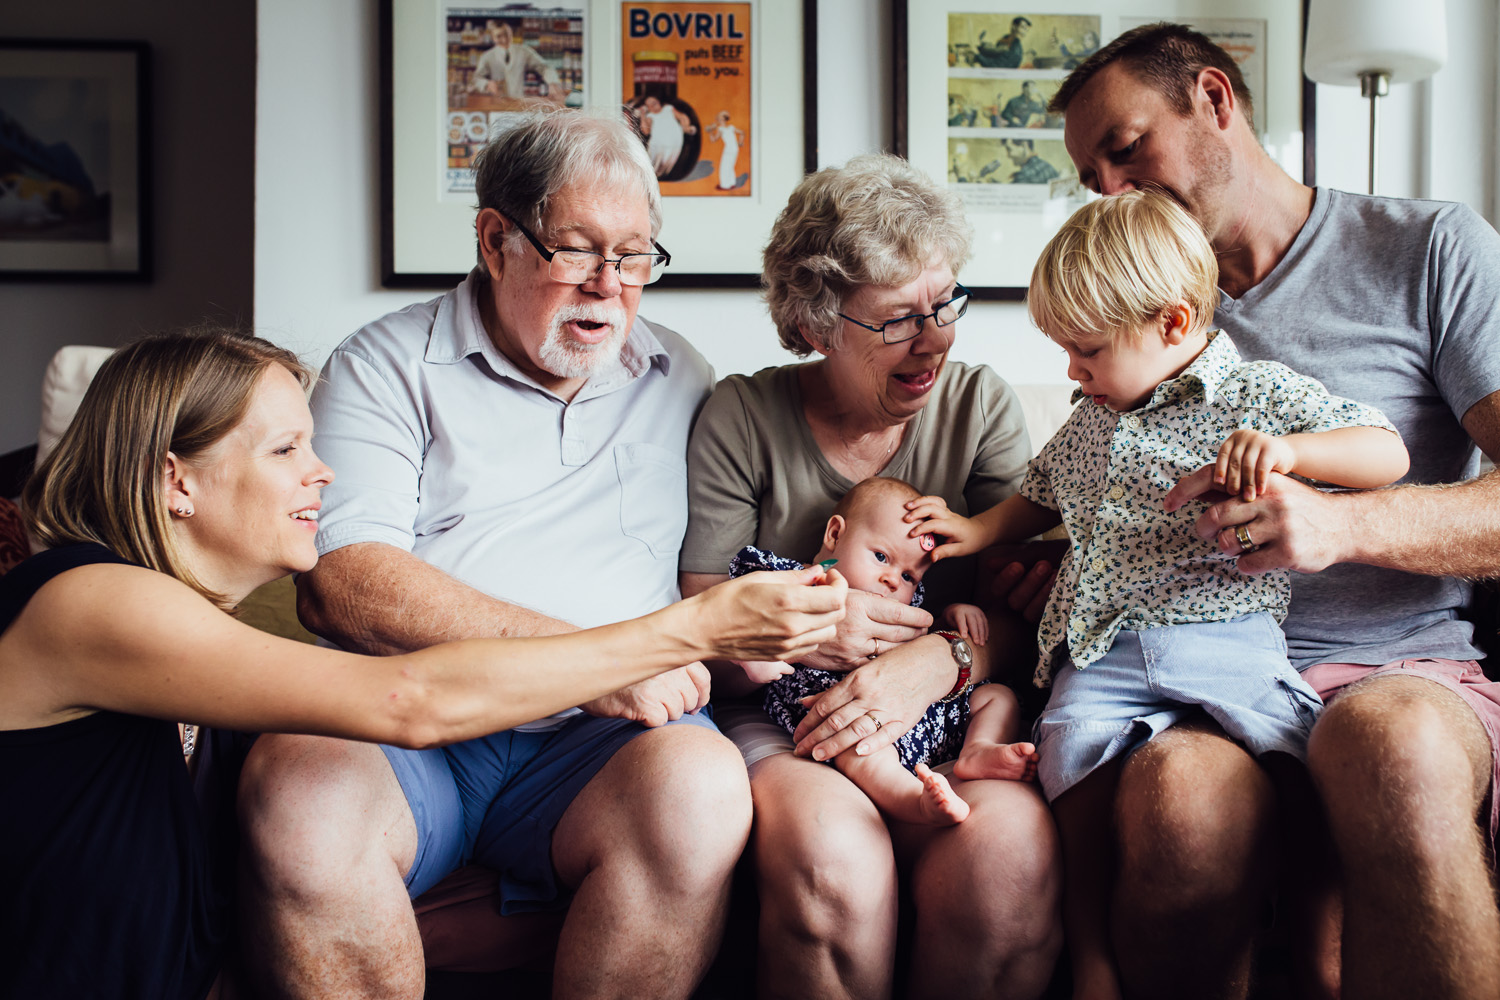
[1012, 761]
[939, 805]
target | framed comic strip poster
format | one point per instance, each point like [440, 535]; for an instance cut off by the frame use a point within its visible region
[720, 91]
[974, 79]
[74, 160]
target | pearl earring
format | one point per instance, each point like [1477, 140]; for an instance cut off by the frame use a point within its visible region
[184, 512]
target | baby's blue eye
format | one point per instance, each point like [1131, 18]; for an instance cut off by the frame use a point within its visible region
[881, 557]
[908, 578]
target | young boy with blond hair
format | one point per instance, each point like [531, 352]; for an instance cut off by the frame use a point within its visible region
[1148, 623]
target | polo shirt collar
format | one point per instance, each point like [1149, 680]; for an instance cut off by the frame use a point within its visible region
[458, 331]
[1207, 372]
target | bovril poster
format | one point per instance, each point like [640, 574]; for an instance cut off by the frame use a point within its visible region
[687, 80]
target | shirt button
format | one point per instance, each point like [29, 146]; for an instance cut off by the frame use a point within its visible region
[1129, 422]
[1099, 566]
[1116, 492]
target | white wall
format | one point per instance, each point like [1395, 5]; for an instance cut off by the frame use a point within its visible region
[317, 235]
[202, 111]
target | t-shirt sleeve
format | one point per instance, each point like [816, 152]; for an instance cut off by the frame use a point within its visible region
[371, 436]
[723, 501]
[1004, 446]
[1464, 277]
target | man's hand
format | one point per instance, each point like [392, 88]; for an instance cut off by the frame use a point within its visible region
[1021, 576]
[871, 626]
[1246, 460]
[656, 700]
[969, 621]
[1291, 526]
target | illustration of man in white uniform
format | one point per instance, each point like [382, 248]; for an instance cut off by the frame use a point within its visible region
[501, 71]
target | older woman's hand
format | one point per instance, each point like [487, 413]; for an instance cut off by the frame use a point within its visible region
[872, 625]
[875, 704]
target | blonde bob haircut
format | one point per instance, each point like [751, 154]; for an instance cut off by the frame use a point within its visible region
[1120, 263]
[105, 482]
[877, 220]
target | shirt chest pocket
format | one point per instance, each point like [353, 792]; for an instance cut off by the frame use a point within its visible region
[653, 496]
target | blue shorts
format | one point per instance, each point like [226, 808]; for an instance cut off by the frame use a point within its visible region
[1236, 671]
[496, 800]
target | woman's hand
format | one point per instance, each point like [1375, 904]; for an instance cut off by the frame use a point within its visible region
[871, 626]
[769, 616]
[875, 704]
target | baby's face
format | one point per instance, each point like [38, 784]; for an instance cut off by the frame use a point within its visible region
[875, 554]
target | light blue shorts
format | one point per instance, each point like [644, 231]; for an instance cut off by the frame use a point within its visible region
[496, 800]
[1236, 671]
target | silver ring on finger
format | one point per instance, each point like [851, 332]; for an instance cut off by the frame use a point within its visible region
[1242, 535]
[876, 644]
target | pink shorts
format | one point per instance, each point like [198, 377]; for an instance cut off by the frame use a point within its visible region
[1462, 677]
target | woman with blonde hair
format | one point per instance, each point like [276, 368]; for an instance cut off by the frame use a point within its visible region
[186, 481]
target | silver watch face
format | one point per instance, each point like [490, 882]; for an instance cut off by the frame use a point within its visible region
[963, 652]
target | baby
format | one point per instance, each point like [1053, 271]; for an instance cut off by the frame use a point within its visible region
[869, 539]
[1147, 622]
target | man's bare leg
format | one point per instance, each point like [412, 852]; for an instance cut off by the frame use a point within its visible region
[987, 896]
[328, 838]
[826, 873]
[1404, 766]
[1195, 819]
[650, 845]
[1084, 816]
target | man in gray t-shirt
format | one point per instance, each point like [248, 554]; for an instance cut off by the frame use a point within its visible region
[1389, 302]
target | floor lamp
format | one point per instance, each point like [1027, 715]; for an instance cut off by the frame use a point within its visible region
[1374, 43]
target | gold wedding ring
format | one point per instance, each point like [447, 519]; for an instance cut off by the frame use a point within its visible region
[1242, 535]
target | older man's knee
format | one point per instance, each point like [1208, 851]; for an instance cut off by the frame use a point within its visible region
[311, 811]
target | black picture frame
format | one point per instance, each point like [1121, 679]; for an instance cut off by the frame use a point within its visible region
[75, 160]
[684, 235]
[983, 284]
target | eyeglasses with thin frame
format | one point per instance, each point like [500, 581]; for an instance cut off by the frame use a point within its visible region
[575, 267]
[898, 331]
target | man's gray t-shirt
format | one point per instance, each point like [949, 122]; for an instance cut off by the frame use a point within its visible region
[1389, 302]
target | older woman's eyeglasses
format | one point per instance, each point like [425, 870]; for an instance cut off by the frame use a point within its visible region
[575, 267]
[898, 331]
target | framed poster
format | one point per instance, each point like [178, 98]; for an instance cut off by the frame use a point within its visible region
[974, 78]
[74, 160]
[721, 91]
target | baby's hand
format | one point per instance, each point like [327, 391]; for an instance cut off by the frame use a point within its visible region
[968, 621]
[765, 671]
[931, 516]
[1247, 459]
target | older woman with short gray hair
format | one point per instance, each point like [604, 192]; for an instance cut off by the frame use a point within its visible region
[861, 271]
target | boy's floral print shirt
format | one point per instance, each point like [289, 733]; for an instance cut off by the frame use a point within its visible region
[1131, 564]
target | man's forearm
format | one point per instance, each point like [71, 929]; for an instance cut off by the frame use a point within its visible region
[377, 599]
[1448, 530]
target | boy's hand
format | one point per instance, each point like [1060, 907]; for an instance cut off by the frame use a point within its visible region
[1247, 459]
[931, 516]
[968, 621]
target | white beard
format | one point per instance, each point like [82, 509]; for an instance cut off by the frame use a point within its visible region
[564, 357]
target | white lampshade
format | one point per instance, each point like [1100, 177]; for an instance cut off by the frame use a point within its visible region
[1348, 38]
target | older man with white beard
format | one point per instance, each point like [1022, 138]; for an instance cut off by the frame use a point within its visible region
[511, 463]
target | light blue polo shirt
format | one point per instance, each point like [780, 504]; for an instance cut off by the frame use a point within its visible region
[444, 448]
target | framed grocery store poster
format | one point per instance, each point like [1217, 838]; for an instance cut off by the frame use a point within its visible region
[74, 160]
[975, 78]
[721, 93]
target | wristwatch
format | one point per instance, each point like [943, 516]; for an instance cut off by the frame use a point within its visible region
[963, 654]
